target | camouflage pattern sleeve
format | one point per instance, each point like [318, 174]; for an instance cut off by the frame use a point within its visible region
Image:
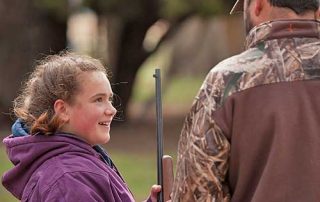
[203, 151]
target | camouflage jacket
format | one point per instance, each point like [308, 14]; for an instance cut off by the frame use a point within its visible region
[253, 129]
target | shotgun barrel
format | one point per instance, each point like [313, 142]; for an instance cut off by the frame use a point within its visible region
[157, 77]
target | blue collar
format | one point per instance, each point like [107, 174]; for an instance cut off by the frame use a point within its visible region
[19, 128]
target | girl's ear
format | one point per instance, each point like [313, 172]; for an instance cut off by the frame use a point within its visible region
[60, 108]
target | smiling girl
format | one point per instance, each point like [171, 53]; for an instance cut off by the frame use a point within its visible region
[64, 112]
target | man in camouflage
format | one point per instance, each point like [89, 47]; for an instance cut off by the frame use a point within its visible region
[253, 133]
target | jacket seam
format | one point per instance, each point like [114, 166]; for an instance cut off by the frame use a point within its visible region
[261, 85]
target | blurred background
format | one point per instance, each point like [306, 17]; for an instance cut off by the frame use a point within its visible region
[184, 38]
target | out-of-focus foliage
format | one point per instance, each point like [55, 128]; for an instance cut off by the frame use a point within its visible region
[56, 8]
[172, 9]
[168, 9]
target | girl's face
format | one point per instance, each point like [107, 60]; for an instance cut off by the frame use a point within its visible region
[91, 113]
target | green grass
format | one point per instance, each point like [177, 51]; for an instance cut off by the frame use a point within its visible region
[179, 90]
[4, 166]
[139, 172]
[182, 90]
[143, 87]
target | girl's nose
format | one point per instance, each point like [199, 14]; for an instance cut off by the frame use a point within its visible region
[110, 110]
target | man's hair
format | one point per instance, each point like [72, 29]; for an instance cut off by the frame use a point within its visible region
[55, 77]
[298, 6]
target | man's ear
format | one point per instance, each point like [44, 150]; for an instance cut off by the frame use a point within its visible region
[258, 6]
[61, 109]
[260, 11]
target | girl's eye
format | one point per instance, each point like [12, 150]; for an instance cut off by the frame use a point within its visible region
[99, 99]
[110, 99]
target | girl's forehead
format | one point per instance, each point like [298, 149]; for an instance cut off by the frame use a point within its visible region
[93, 81]
[92, 76]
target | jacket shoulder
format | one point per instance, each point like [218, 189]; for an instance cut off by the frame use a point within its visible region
[243, 62]
[75, 186]
[67, 169]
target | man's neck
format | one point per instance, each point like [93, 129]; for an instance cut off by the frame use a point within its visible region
[288, 14]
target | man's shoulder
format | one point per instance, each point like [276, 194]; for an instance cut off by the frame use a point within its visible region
[245, 61]
[228, 72]
[234, 74]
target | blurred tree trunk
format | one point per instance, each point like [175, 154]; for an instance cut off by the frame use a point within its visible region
[27, 33]
[125, 44]
[130, 56]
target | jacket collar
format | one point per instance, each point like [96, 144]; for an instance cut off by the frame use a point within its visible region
[283, 29]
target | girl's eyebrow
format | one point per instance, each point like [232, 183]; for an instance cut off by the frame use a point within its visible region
[102, 94]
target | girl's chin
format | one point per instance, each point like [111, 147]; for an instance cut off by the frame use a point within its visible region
[102, 140]
[106, 139]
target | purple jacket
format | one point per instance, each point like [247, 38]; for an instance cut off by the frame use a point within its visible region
[60, 168]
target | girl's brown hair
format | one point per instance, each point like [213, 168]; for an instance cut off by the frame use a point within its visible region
[55, 77]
